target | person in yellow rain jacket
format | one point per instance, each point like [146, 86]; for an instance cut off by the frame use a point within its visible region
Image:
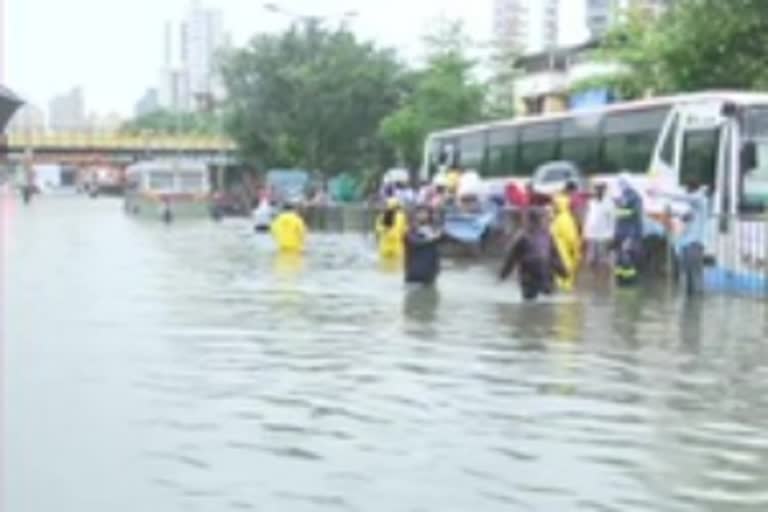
[391, 227]
[288, 230]
[565, 233]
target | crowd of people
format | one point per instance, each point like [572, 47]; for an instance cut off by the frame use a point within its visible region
[558, 235]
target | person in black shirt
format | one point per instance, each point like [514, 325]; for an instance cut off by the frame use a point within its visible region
[422, 256]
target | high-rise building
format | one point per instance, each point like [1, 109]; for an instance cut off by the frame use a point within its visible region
[148, 103]
[202, 37]
[603, 14]
[189, 78]
[528, 26]
[67, 111]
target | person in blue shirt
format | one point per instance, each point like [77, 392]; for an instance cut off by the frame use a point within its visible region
[689, 244]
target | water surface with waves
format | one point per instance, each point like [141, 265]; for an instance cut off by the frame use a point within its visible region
[187, 368]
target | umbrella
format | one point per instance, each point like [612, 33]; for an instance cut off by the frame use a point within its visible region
[9, 102]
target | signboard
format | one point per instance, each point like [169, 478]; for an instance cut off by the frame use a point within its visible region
[702, 116]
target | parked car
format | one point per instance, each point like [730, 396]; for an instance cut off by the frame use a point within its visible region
[229, 204]
[552, 177]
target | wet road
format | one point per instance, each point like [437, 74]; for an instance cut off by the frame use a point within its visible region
[188, 369]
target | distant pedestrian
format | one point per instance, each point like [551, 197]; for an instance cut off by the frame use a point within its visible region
[422, 255]
[289, 230]
[535, 254]
[391, 228]
[599, 226]
[628, 236]
[567, 238]
[577, 201]
[167, 213]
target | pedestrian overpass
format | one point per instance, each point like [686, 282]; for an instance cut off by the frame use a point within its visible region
[86, 147]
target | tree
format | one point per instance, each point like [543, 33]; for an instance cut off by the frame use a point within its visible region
[168, 122]
[444, 94]
[310, 97]
[697, 44]
[500, 101]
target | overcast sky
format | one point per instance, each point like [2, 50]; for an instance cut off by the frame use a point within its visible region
[113, 48]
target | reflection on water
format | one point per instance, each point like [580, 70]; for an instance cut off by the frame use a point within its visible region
[190, 368]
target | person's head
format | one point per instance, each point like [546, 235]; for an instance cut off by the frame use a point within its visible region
[393, 204]
[692, 185]
[571, 187]
[561, 204]
[289, 206]
[625, 182]
[422, 215]
[600, 190]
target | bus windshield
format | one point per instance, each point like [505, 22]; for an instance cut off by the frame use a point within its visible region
[756, 179]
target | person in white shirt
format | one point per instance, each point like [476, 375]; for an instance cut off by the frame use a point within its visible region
[599, 226]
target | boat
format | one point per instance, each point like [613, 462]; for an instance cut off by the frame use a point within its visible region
[168, 189]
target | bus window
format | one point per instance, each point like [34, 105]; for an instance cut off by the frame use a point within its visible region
[160, 181]
[755, 180]
[472, 150]
[191, 182]
[699, 163]
[580, 143]
[502, 152]
[629, 139]
[538, 145]
[448, 153]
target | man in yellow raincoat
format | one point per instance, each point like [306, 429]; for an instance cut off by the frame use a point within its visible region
[565, 233]
[391, 227]
[289, 230]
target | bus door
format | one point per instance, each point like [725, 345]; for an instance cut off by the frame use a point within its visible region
[748, 244]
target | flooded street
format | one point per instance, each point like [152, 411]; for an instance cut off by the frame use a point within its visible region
[187, 368]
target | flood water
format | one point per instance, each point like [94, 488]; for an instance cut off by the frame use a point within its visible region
[186, 368]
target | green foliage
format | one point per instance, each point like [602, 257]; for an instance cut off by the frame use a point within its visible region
[167, 122]
[444, 94]
[311, 98]
[500, 100]
[696, 45]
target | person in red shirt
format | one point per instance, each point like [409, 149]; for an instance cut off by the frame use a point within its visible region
[515, 196]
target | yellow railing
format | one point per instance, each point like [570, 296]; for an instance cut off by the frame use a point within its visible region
[114, 141]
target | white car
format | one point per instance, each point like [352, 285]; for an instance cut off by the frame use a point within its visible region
[552, 177]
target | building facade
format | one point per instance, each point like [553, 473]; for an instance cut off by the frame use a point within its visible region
[67, 111]
[604, 14]
[527, 26]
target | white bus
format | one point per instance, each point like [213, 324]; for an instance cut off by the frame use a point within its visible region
[182, 186]
[719, 139]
